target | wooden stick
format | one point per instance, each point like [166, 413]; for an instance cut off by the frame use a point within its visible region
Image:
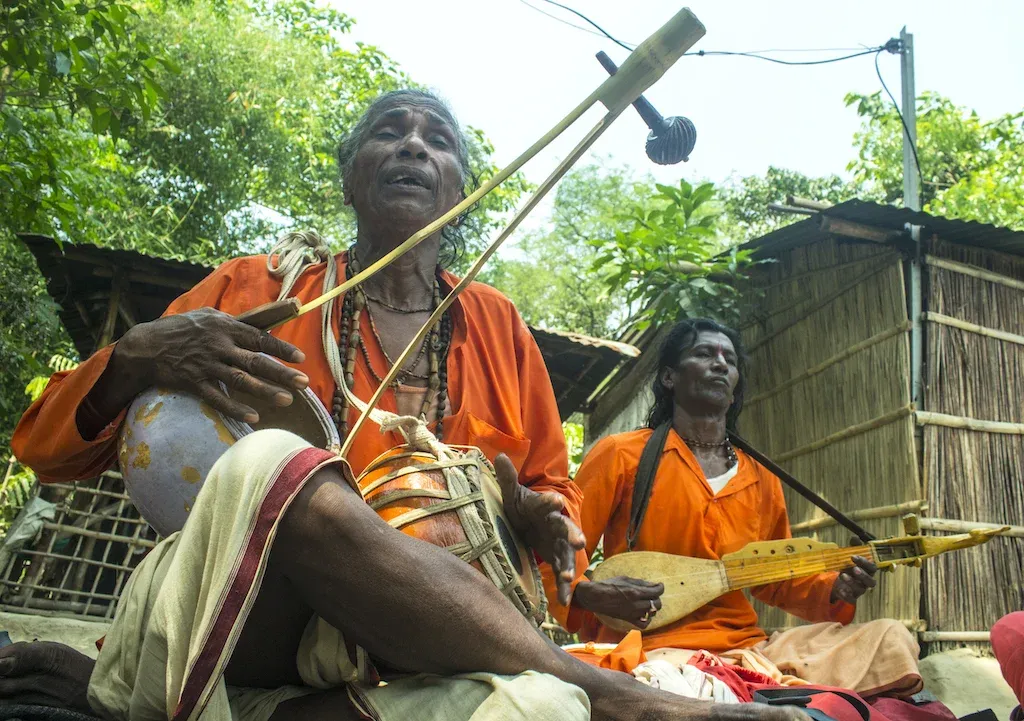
[954, 526]
[973, 327]
[849, 229]
[87, 561]
[780, 208]
[798, 202]
[642, 69]
[974, 271]
[928, 418]
[64, 591]
[863, 515]
[87, 489]
[855, 430]
[976, 636]
[418, 339]
[56, 609]
[75, 531]
[824, 365]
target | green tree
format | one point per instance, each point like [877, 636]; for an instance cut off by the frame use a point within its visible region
[59, 60]
[745, 211]
[969, 167]
[548, 272]
[670, 262]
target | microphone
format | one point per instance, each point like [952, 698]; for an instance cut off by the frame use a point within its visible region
[671, 140]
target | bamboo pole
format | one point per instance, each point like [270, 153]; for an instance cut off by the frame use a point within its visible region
[850, 229]
[85, 489]
[928, 418]
[976, 636]
[826, 364]
[76, 559]
[973, 327]
[955, 526]
[863, 515]
[854, 430]
[974, 271]
[780, 208]
[797, 202]
[75, 531]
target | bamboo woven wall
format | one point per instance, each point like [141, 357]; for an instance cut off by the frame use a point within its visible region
[829, 396]
[972, 475]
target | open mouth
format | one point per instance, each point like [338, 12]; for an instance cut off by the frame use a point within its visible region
[407, 178]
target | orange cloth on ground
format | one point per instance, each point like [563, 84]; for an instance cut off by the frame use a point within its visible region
[500, 395]
[624, 657]
[685, 518]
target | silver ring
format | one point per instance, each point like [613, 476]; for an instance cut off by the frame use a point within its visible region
[654, 609]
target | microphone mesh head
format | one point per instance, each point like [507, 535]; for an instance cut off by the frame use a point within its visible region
[674, 143]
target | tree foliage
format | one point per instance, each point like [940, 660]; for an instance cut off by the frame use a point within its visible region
[190, 130]
[970, 168]
[670, 262]
[548, 273]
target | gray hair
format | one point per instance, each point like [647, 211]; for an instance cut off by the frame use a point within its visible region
[453, 246]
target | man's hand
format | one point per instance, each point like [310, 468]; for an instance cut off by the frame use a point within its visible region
[45, 674]
[537, 518]
[855, 581]
[195, 352]
[629, 599]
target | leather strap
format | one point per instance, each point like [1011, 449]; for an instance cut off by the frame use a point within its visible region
[646, 470]
[800, 488]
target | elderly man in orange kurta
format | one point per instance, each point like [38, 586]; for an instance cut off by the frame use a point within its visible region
[284, 589]
[707, 500]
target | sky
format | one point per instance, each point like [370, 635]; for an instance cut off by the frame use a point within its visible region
[513, 72]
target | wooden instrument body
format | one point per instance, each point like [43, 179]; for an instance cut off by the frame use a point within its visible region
[417, 494]
[691, 583]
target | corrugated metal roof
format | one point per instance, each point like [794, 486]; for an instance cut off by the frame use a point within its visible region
[79, 277]
[963, 232]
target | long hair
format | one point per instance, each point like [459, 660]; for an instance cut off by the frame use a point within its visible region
[453, 241]
[680, 339]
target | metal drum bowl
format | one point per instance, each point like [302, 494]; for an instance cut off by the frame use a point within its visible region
[170, 440]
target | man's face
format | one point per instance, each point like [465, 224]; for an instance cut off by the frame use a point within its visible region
[706, 374]
[407, 170]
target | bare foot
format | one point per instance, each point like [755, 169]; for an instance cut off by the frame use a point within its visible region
[46, 674]
[623, 698]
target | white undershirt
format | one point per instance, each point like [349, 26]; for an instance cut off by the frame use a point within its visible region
[719, 482]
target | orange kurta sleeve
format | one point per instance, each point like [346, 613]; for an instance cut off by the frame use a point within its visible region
[601, 478]
[546, 467]
[806, 597]
[47, 439]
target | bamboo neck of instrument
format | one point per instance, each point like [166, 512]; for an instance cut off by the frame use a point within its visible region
[752, 572]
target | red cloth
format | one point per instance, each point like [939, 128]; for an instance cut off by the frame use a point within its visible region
[1008, 647]
[896, 709]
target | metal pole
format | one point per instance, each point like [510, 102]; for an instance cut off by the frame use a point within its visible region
[911, 184]
[912, 200]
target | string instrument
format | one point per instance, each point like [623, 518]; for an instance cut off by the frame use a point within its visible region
[691, 583]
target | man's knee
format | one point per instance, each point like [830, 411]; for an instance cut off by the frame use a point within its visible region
[894, 636]
[542, 697]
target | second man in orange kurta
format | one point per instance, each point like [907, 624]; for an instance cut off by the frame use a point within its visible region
[709, 500]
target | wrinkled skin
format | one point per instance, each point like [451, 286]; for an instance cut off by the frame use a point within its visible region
[43, 673]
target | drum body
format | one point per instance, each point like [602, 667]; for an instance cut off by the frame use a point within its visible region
[170, 440]
[456, 504]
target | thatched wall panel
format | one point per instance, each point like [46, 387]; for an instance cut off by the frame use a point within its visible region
[969, 475]
[874, 468]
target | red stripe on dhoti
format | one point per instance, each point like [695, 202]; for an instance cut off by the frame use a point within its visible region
[282, 490]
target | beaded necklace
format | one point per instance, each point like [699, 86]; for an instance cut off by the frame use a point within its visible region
[351, 343]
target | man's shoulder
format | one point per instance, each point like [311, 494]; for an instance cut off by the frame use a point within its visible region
[629, 444]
